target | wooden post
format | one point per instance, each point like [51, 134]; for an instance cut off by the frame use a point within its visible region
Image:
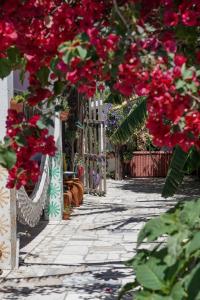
[100, 146]
[7, 197]
[91, 166]
[103, 145]
[118, 166]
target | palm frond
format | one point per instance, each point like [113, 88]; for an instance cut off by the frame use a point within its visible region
[175, 174]
[133, 120]
[193, 161]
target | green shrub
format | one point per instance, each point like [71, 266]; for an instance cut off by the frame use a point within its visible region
[171, 270]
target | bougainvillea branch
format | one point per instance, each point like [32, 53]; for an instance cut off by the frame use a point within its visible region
[136, 48]
[27, 139]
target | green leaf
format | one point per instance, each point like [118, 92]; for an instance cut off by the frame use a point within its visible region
[43, 75]
[14, 55]
[68, 56]
[53, 64]
[134, 120]
[127, 288]
[58, 87]
[175, 173]
[114, 99]
[178, 292]
[5, 67]
[64, 46]
[8, 157]
[175, 246]
[139, 258]
[187, 74]
[192, 284]
[194, 244]
[145, 295]
[82, 52]
[153, 296]
[180, 84]
[151, 274]
[40, 124]
[190, 214]
[49, 122]
[156, 227]
[22, 69]
[193, 161]
[20, 140]
[192, 86]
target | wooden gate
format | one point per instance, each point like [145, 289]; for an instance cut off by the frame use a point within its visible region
[94, 147]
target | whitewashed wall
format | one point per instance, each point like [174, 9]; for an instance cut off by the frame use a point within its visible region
[7, 197]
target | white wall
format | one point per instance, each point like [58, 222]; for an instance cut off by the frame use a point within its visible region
[6, 93]
[7, 197]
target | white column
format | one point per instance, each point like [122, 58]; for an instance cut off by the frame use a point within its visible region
[54, 207]
[7, 197]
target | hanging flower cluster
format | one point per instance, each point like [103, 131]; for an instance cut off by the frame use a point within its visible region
[136, 47]
[174, 118]
[26, 170]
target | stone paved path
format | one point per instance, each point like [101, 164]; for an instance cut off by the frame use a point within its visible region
[82, 259]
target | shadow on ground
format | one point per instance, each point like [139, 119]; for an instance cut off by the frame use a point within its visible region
[155, 185]
[27, 234]
[129, 203]
[94, 284]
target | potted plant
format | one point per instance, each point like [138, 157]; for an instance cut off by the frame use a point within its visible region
[66, 212]
[67, 198]
[17, 103]
[79, 166]
[64, 114]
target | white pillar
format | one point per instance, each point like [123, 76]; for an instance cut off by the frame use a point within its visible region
[54, 207]
[7, 197]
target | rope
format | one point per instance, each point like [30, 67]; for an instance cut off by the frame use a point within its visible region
[30, 208]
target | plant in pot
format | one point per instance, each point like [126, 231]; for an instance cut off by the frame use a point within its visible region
[67, 212]
[17, 103]
[67, 197]
[64, 114]
[79, 166]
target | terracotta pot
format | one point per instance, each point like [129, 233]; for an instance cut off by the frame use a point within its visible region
[75, 193]
[78, 181]
[80, 187]
[19, 107]
[67, 199]
[64, 115]
[66, 215]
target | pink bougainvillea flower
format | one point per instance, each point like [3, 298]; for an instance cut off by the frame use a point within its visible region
[171, 18]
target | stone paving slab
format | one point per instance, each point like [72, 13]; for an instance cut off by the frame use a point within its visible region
[83, 258]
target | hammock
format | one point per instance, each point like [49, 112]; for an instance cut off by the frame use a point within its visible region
[30, 208]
